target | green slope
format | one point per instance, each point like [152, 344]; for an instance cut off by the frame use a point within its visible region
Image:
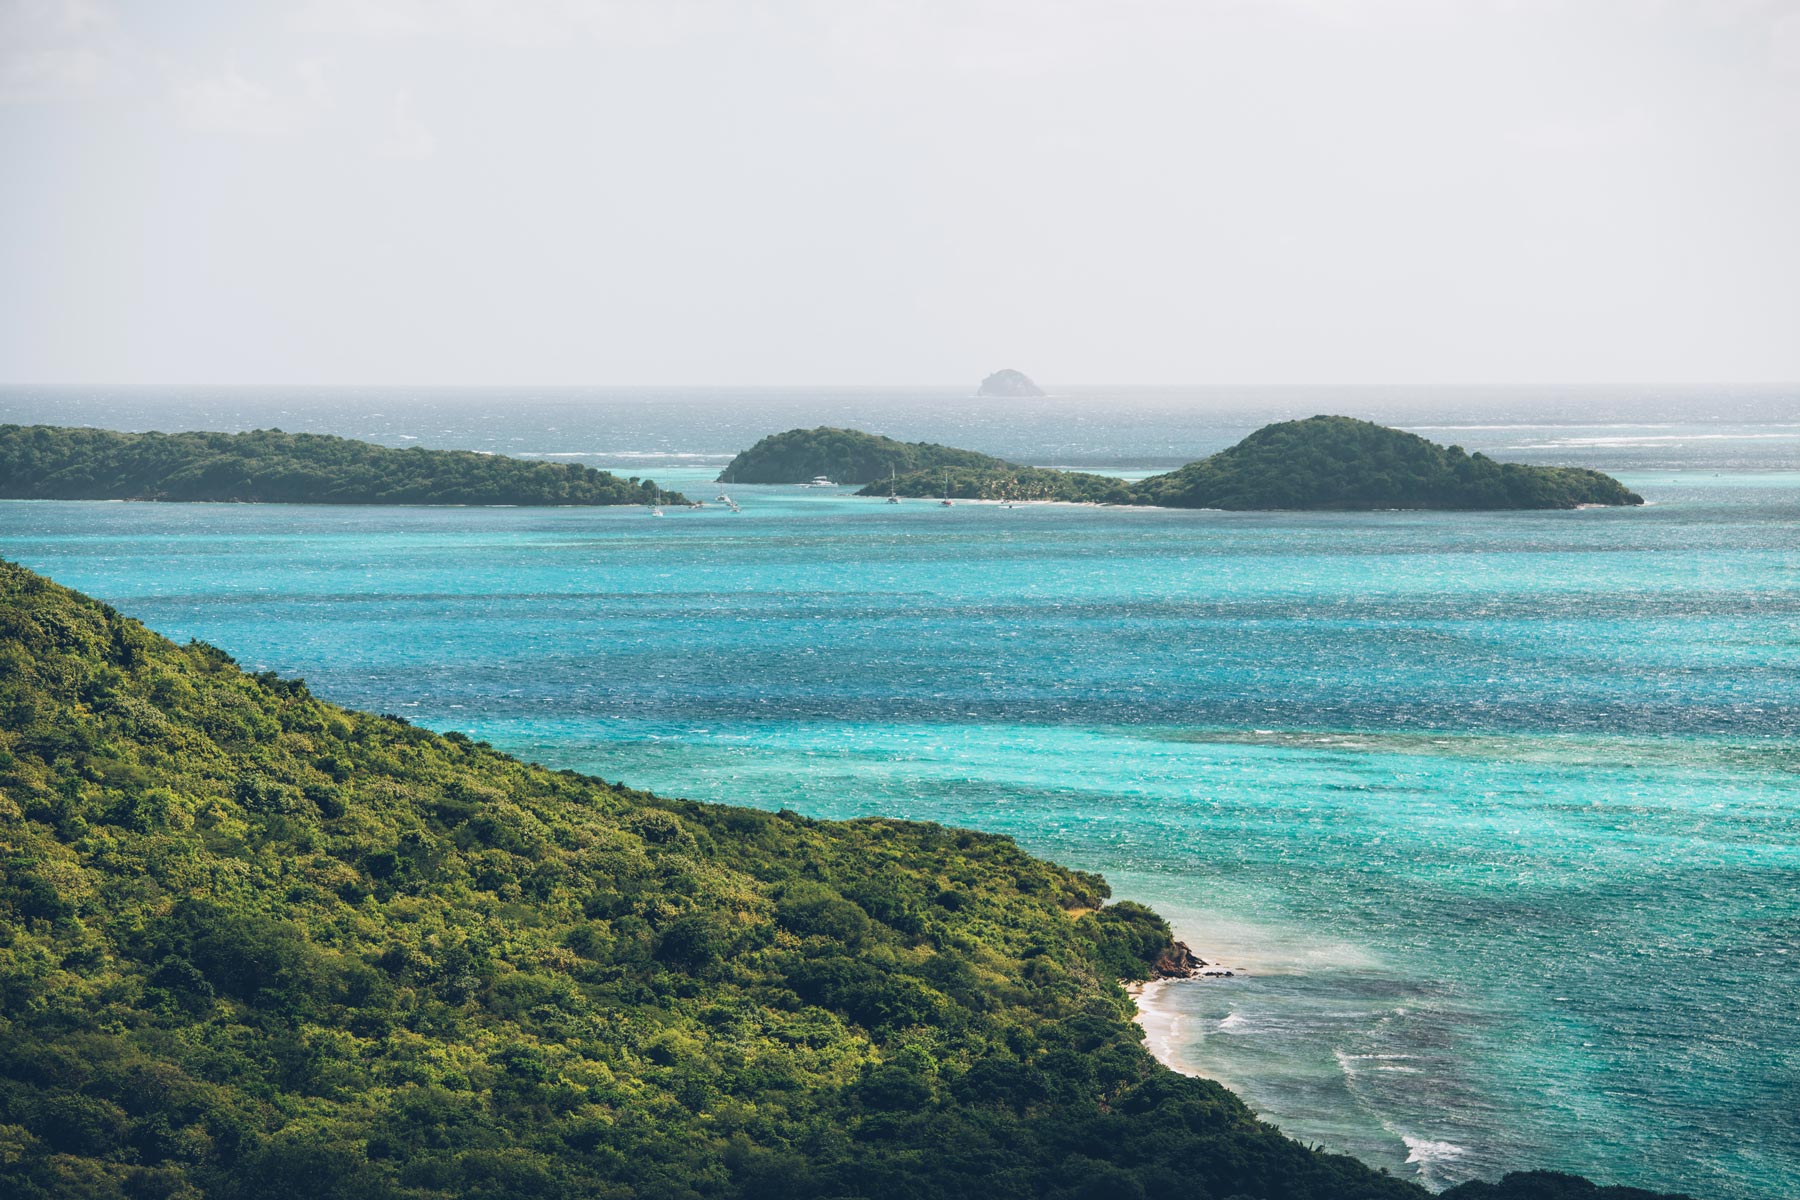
[1007, 483]
[255, 945]
[48, 462]
[1343, 463]
[1321, 463]
[843, 456]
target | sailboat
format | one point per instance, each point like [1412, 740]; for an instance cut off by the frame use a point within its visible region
[892, 499]
[946, 502]
[725, 498]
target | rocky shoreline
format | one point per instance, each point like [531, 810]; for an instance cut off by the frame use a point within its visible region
[1160, 1022]
[1180, 962]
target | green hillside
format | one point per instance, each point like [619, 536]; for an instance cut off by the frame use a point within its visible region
[1343, 463]
[1007, 483]
[844, 456]
[1321, 463]
[253, 945]
[48, 462]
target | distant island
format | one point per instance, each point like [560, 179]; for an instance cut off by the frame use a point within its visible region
[257, 945]
[1346, 464]
[1322, 463]
[1008, 382]
[51, 462]
[1009, 483]
[845, 456]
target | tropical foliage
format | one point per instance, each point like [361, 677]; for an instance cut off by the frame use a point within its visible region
[1342, 463]
[845, 456]
[48, 462]
[1007, 483]
[1321, 463]
[253, 945]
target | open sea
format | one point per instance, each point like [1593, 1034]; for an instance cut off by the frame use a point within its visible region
[1495, 816]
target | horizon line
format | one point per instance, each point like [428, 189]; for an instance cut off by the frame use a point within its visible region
[640, 385]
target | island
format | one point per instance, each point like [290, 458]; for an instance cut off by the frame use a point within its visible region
[1323, 463]
[846, 456]
[1340, 463]
[256, 945]
[1008, 382]
[51, 462]
[1008, 483]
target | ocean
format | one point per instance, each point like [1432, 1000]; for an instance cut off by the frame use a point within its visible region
[1493, 816]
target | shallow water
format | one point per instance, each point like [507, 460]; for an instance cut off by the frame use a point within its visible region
[1497, 812]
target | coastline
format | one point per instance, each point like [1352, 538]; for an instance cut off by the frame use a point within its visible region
[1160, 1021]
[1153, 1012]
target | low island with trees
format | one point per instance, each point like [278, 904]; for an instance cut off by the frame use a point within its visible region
[254, 945]
[846, 456]
[1323, 463]
[50, 462]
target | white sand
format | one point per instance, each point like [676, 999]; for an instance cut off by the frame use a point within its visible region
[1161, 1022]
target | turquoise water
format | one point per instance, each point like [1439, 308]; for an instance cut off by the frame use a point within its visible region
[1497, 814]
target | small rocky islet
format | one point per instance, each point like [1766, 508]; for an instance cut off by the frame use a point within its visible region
[1008, 382]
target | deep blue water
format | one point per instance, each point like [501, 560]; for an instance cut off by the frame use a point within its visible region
[1497, 812]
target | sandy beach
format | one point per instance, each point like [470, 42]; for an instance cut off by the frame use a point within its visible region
[1160, 1021]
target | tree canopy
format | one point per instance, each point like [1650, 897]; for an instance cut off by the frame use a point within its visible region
[1342, 463]
[1321, 463]
[1008, 483]
[49, 462]
[844, 456]
[256, 945]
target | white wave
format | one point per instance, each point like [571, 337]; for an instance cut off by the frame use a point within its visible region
[1427, 1152]
[671, 455]
[1434, 1159]
[1162, 1026]
[1531, 425]
[1653, 440]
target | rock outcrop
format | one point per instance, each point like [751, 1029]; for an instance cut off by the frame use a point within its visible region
[1009, 383]
[1178, 962]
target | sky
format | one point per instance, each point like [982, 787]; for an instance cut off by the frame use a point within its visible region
[910, 192]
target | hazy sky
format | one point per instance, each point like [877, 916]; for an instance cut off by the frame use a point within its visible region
[834, 191]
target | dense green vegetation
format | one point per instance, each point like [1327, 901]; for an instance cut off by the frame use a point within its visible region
[48, 462]
[253, 945]
[1319, 463]
[1343, 463]
[844, 456]
[1007, 483]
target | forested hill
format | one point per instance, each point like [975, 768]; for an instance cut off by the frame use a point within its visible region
[1321, 463]
[1343, 463]
[844, 456]
[253, 945]
[1007, 483]
[48, 462]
